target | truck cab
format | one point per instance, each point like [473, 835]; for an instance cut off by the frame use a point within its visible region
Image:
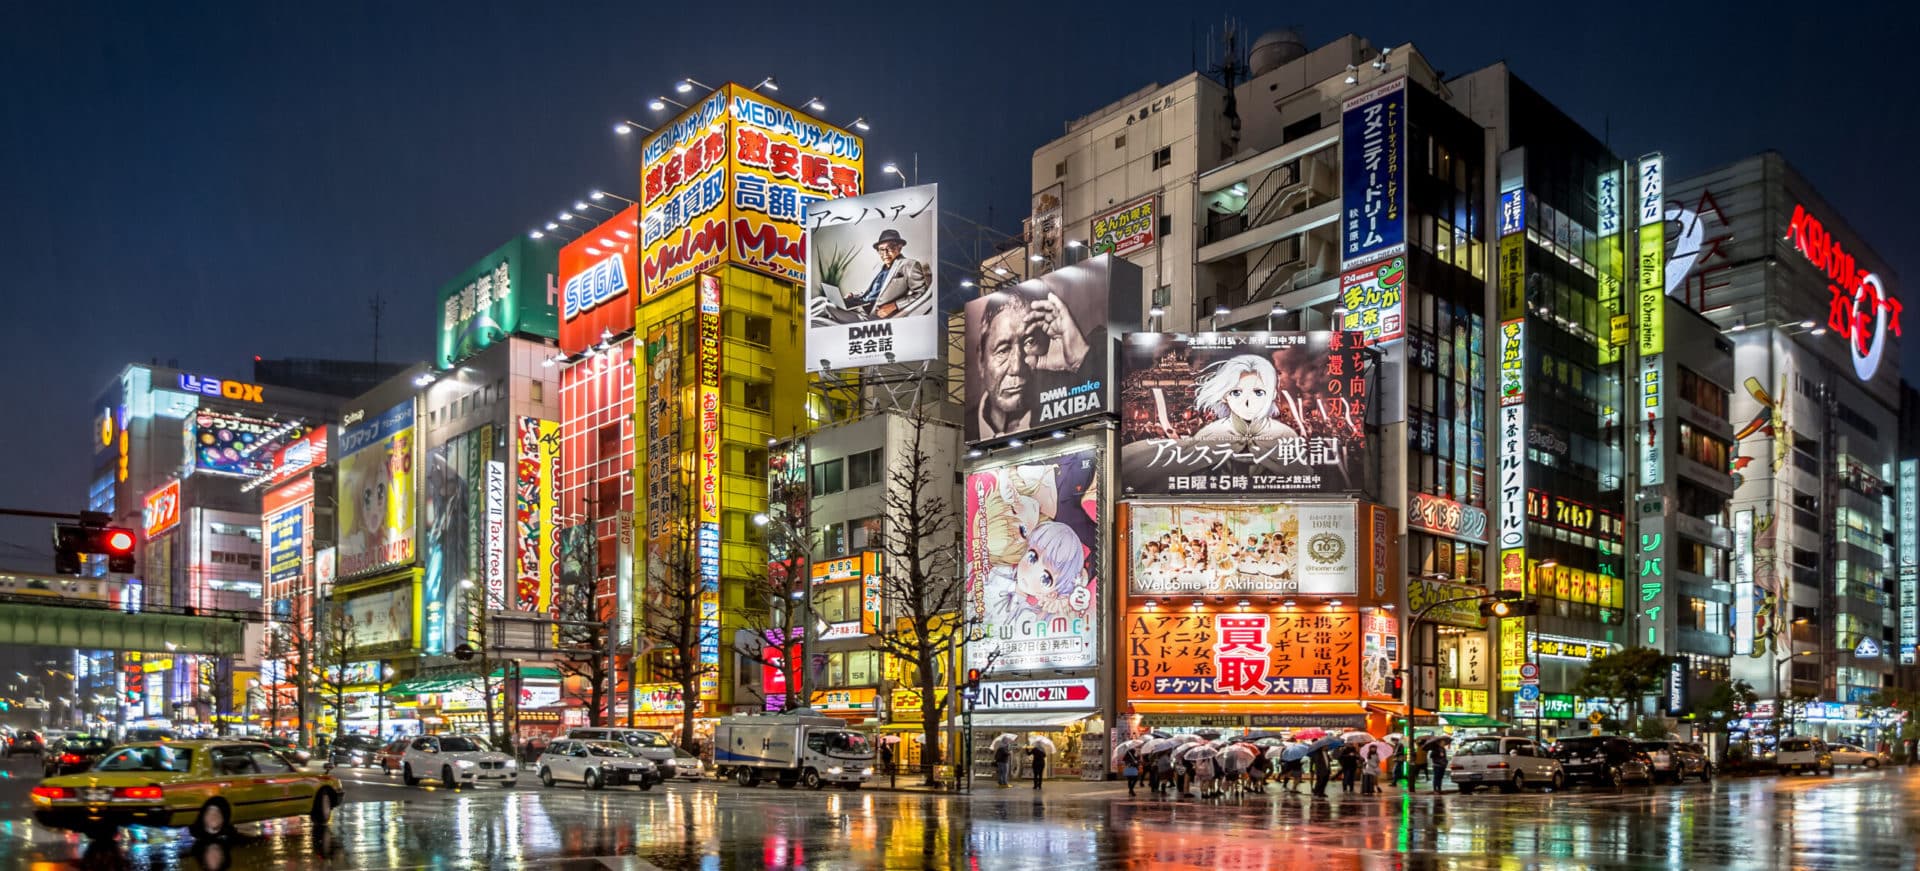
[791, 749]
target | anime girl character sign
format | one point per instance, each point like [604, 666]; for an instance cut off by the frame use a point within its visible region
[1032, 564]
[1244, 412]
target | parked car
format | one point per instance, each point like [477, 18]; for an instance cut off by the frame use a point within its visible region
[207, 786]
[595, 764]
[456, 761]
[1802, 753]
[1854, 754]
[1512, 764]
[1606, 760]
[687, 766]
[74, 754]
[140, 734]
[280, 743]
[646, 744]
[389, 756]
[1676, 760]
[354, 751]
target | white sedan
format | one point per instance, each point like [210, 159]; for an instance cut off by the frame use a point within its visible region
[456, 761]
[1854, 754]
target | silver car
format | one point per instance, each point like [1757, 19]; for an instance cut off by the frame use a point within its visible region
[595, 764]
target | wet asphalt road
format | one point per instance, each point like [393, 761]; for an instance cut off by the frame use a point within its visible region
[1862, 820]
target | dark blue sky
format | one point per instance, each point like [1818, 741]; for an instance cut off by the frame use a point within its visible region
[208, 182]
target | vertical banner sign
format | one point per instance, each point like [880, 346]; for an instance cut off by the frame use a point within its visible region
[1373, 176]
[1612, 263]
[1513, 418]
[623, 578]
[1650, 317]
[535, 444]
[1909, 491]
[496, 543]
[709, 496]
[1743, 590]
[665, 409]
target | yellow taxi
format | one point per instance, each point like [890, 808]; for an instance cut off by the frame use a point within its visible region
[206, 785]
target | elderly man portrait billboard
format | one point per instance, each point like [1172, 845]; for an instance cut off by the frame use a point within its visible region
[1032, 563]
[872, 282]
[1244, 412]
[1039, 352]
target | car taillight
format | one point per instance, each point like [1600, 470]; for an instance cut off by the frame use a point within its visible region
[137, 792]
[1497, 765]
[51, 792]
[69, 759]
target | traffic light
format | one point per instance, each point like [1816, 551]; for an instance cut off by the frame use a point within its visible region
[1398, 683]
[71, 541]
[464, 652]
[1504, 608]
[971, 689]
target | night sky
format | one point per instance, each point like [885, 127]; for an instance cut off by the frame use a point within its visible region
[205, 183]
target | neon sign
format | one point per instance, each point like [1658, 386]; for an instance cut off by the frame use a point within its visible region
[220, 388]
[600, 282]
[1859, 308]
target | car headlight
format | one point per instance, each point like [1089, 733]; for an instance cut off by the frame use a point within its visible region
[463, 763]
[868, 771]
[834, 770]
[512, 764]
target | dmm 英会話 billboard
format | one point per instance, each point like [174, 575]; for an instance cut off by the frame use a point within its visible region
[873, 281]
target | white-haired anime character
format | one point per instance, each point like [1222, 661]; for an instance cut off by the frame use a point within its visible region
[1242, 396]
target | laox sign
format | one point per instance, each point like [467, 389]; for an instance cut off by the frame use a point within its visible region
[1859, 308]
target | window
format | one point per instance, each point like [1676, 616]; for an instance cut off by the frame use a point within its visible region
[1060, 169]
[1703, 393]
[231, 760]
[269, 762]
[607, 442]
[863, 668]
[607, 498]
[1163, 157]
[864, 533]
[831, 601]
[1120, 141]
[536, 391]
[833, 540]
[827, 477]
[757, 395]
[757, 330]
[863, 469]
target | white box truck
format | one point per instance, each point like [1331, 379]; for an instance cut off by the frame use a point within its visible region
[793, 748]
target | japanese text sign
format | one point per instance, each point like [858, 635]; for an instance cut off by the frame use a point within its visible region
[1373, 196]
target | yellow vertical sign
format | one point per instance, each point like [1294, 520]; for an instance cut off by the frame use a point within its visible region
[1652, 259]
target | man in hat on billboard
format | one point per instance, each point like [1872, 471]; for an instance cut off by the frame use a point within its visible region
[899, 285]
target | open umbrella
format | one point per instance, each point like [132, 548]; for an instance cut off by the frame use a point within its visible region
[1043, 742]
[889, 739]
[1239, 756]
[1188, 750]
[1208, 734]
[1005, 739]
[1294, 752]
[1381, 751]
[1257, 737]
[1159, 734]
[1310, 734]
[1395, 738]
[1158, 745]
[1431, 740]
[1270, 741]
[1357, 737]
[1120, 752]
[1200, 752]
[1327, 743]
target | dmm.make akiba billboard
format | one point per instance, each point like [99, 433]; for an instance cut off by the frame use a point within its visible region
[730, 181]
[597, 276]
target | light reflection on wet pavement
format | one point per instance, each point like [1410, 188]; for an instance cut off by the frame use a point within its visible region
[1858, 821]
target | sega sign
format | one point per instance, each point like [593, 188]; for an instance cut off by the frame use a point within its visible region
[220, 388]
[596, 278]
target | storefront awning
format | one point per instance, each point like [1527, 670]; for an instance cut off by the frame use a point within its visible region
[1473, 720]
[414, 686]
[1030, 720]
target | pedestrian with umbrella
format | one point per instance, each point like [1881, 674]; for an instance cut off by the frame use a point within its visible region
[1038, 750]
[1348, 755]
[1129, 760]
[1372, 757]
[1322, 766]
[1292, 759]
[1003, 758]
[1437, 760]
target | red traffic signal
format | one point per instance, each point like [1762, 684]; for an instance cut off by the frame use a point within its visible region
[973, 677]
[118, 541]
[72, 541]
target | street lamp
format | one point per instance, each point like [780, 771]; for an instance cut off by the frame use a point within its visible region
[893, 169]
[660, 104]
[687, 85]
[1502, 602]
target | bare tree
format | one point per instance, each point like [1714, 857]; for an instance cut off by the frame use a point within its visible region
[479, 650]
[292, 643]
[673, 627]
[921, 589]
[333, 650]
[582, 643]
[777, 598]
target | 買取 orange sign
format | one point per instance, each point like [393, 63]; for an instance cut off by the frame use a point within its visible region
[1231, 655]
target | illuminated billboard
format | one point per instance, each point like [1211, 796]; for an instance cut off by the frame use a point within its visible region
[376, 528]
[455, 499]
[1237, 655]
[1244, 549]
[298, 455]
[1129, 228]
[162, 510]
[1032, 563]
[1374, 296]
[731, 179]
[1373, 174]
[873, 283]
[854, 619]
[536, 514]
[598, 275]
[1039, 352]
[507, 292]
[383, 619]
[240, 445]
[1279, 412]
[287, 525]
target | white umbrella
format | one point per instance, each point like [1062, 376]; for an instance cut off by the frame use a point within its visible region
[1005, 739]
[1180, 752]
[1120, 752]
[1043, 742]
[1201, 752]
[1275, 752]
[1158, 745]
[1239, 757]
[1358, 738]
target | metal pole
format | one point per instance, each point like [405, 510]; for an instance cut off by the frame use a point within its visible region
[613, 666]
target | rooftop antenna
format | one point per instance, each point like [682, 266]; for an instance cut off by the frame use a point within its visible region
[376, 306]
[1231, 69]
